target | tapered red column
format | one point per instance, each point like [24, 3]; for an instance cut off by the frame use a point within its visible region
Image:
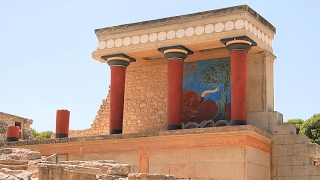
[13, 133]
[238, 48]
[118, 64]
[175, 56]
[62, 123]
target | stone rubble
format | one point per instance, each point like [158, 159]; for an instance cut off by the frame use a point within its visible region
[23, 164]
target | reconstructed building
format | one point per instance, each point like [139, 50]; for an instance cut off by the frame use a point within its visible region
[13, 120]
[192, 96]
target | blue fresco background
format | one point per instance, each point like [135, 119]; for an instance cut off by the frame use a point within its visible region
[194, 80]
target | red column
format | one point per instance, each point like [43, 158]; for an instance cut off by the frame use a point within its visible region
[238, 87]
[175, 56]
[118, 64]
[62, 123]
[13, 133]
[239, 48]
[175, 80]
[117, 85]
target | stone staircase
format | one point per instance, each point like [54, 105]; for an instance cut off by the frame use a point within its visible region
[293, 158]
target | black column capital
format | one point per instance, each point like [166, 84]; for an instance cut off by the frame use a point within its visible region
[241, 43]
[118, 59]
[175, 52]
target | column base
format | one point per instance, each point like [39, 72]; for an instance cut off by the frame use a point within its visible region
[115, 131]
[9, 139]
[60, 135]
[238, 122]
[173, 127]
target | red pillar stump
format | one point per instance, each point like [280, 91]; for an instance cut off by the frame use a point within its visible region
[238, 48]
[175, 56]
[13, 133]
[118, 64]
[62, 123]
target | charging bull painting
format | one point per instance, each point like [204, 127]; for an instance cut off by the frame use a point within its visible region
[206, 93]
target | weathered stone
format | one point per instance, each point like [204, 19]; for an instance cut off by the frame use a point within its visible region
[18, 154]
[143, 176]
[117, 169]
[110, 177]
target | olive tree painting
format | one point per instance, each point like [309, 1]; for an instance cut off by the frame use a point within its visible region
[206, 93]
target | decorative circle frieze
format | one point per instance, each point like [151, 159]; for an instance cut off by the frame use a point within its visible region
[199, 30]
[187, 32]
[229, 26]
[126, 41]
[180, 33]
[219, 27]
[259, 33]
[255, 32]
[239, 24]
[171, 34]
[190, 31]
[209, 28]
[144, 38]
[118, 42]
[135, 40]
[110, 43]
[153, 37]
[246, 24]
[102, 44]
[250, 28]
[162, 36]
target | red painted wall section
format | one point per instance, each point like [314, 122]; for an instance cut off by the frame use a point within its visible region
[175, 80]
[117, 86]
[238, 85]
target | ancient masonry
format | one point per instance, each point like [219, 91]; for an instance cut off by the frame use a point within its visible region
[191, 96]
[23, 164]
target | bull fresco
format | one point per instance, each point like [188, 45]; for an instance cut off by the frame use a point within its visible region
[206, 93]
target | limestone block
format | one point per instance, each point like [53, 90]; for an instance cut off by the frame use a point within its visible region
[110, 177]
[292, 161]
[284, 171]
[310, 177]
[275, 117]
[143, 176]
[117, 169]
[289, 178]
[295, 139]
[255, 171]
[280, 150]
[312, 150]
[306, 170]
[18, 154]
[278, 139]
[66, 172]
[282, 129]
[258, 119]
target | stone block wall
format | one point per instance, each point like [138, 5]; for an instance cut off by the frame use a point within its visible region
[145, 103]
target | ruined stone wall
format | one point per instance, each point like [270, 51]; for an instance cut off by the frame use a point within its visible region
[145, 103]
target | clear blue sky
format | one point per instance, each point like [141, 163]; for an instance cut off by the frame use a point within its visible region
[46, 46]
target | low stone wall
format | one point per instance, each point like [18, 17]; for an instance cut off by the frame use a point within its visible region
[190, 153]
